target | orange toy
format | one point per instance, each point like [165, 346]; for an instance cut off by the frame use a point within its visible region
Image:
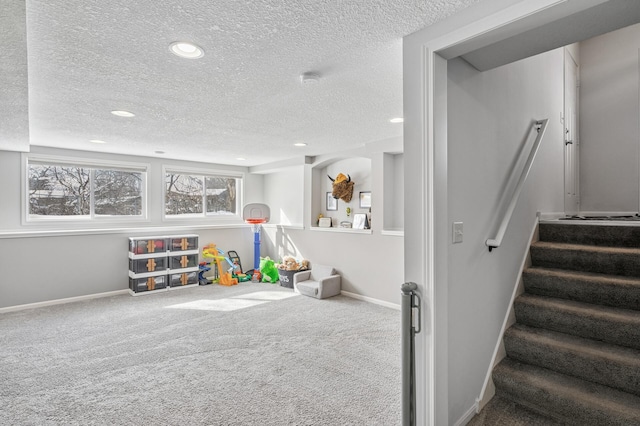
[211, 252]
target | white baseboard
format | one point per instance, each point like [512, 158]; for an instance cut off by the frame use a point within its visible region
[371, 300]
[61, 301]
[466, 417]
[550, 215]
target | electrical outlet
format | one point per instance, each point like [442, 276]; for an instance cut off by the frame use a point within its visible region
[457, 232]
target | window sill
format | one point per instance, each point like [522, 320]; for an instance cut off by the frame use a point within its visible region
[393, 232]
[7, 234]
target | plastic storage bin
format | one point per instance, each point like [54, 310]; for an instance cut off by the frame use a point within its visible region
[183, 243]
[185, 278]
[183, 261]
[147, 245]
[148, 264]
[156, 282]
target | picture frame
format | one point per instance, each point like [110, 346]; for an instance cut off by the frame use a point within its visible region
[332, 203]
[359, 221]
[365, 199]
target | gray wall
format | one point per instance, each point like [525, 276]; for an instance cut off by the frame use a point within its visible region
[609, 115]
[489, 114]
[48, 262]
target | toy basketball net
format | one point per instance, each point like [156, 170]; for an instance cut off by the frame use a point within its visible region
[256, 214]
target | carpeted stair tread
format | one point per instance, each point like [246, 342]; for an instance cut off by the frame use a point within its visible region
[589, 287]
[607, 324]
[610, 365]
[503, 412]
[568, 399]
[604, 260]
[597, 235]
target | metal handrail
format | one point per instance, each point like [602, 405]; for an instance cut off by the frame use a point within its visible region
[540, 127]
[410, 302]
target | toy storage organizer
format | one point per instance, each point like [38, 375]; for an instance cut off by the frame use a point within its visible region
[162, 263]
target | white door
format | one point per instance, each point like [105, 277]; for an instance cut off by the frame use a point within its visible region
[571, 143]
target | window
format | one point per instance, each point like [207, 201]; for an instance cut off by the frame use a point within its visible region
[84, 190]
[201, 194]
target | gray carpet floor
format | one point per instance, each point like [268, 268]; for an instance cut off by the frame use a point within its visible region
[251, 354]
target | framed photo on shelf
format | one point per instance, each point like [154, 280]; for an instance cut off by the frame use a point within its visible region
[360, 221]
[332, 203]
[365, 199]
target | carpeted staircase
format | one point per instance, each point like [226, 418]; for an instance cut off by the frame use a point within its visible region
[574, 353]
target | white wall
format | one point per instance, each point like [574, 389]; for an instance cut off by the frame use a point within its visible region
[284, 193]
[489, 116]
[609, 115]
[393, 191]
[45, 262]
[370, 263]
[41, 263]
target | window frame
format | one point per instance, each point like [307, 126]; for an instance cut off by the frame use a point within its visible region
[204, 173]
[92, 164]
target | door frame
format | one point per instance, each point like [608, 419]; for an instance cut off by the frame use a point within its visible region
[571, 126]
[425, 147]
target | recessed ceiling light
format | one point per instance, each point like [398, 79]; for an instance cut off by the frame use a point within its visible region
[300, 144]
[96, 141]
[397, 120]
[185, 49]
[123, 113]
[159, 152]
[241, 159]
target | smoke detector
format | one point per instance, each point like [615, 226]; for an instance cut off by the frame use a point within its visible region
[309, 78]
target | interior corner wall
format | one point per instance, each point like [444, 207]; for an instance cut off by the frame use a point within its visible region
[10, 191]
[370, 264]
[489, 117]
[284, 194]
[609, 116]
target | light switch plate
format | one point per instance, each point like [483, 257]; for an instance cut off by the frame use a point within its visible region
[457, 232]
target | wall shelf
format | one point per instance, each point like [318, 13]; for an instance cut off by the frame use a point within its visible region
[342, 230]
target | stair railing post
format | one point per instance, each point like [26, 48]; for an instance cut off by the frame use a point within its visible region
[410, 302]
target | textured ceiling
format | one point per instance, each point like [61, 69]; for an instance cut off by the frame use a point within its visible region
[242, 99]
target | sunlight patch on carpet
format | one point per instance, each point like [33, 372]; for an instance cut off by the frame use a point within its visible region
[218, 305]
[236, 302]
[266, 295]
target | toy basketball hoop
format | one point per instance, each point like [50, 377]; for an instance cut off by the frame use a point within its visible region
[256, 214]
[255, 221]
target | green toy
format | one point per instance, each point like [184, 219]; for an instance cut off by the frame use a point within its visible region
[268, 270]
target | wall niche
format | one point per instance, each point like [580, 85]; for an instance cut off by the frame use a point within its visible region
[393, 192]
[340, 212]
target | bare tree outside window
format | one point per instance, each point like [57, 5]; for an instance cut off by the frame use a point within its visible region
[189, 194]
[184, 194]
[221, 195]
[59, 191]
[77, 191]
[118, 193]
